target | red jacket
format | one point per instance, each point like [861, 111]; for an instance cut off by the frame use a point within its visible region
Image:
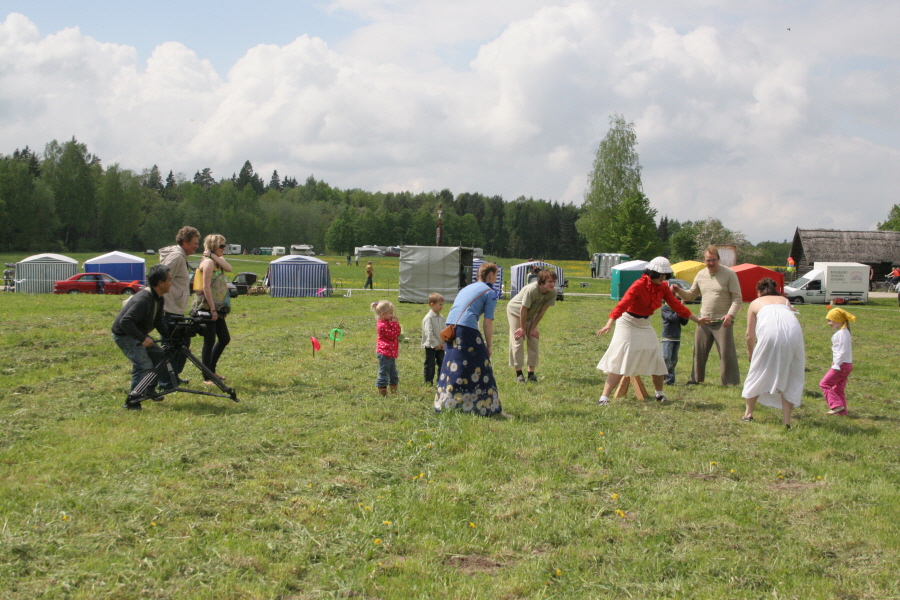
[645, 297]
[388, 335]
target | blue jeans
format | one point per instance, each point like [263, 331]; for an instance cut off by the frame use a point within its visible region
[387, 372]
[143, 360]
[670, 355]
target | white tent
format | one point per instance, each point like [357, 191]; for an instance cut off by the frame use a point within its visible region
[295, 275]
[427, 269]
[36, 274]
[122, 266]
[518, 277]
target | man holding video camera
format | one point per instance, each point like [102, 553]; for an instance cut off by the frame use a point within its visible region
[176, 258]
[141, 314]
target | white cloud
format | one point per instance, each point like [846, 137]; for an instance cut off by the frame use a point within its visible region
[736, 116]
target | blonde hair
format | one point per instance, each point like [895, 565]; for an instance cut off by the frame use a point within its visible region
[213, 241]
[381, 307]
[434, 297]
[485, 270]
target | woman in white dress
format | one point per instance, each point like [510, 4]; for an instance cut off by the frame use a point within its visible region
[777, 355]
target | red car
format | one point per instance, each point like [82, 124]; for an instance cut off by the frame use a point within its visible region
[95, 283]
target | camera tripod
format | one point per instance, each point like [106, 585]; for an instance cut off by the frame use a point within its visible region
[174, 347]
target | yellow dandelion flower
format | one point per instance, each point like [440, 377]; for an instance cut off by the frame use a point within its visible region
[732, 471]
[152, 524]
[615, 496]
[386, 522]
[379, 564]
[559, 572]
[819, 478]
[65, 517]
[368, 508]
[713, 463]
[472, 525]
[600, 449]
[620, 513]
[421, 475]
[601, 433]
[377, 541]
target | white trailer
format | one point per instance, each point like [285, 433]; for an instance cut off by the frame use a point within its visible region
[828, 282]
[232, 249]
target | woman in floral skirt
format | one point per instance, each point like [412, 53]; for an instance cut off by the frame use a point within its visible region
[466, 381]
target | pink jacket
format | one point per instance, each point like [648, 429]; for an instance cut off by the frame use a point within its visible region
[388, 336]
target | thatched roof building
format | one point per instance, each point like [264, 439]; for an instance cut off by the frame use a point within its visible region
[878, 249]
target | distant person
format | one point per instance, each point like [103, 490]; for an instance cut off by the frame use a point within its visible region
[533, 273]
[634, 349]
[387, 347]
[722, 299]
[211, 294]
[777, 354]
[835, 381]
[370, 272]
[349, 259]
[466, 381]
[187, 240]
[131, 329]
[524, 312]
[432, 325]
[671, 340]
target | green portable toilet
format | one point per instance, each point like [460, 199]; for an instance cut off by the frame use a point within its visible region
[624, 275]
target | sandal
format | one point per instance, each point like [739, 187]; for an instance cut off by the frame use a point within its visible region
[747, 419]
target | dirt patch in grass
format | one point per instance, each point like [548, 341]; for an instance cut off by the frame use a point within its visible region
[473, 563]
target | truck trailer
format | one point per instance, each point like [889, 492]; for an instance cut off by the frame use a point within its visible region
[827, 282]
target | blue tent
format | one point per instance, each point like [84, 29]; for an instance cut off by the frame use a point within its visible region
[124, 267]
[295, 275]
[498, 285]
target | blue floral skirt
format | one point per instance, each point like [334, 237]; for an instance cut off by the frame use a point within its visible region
[467, 379]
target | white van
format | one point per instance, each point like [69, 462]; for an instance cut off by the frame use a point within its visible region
[829, 282]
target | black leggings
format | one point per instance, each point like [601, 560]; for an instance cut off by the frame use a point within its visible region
[213, 347]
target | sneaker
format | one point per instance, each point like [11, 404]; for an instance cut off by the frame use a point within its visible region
[603, 402]
[183, 381]
[132, 405]
[662, 399]
[787, 425]
[520, 379]
[532, 377]
[837, 411]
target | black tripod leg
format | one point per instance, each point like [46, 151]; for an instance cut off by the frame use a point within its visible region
[140, 392]
[208, 374]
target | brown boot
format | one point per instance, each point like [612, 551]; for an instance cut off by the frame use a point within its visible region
[382, 391]
[393, 389]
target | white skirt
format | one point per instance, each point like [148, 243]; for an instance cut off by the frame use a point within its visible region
[634, 349]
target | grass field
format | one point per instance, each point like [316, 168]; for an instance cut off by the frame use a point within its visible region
[315, 487]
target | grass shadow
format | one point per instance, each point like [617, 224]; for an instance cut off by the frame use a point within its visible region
[227, 407]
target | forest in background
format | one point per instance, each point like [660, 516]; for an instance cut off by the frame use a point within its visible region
[65, 200]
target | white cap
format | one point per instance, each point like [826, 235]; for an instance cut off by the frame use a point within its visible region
[660, 264]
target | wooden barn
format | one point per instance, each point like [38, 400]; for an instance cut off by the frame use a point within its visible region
[878, 249]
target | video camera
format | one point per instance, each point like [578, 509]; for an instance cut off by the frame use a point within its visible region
[184, 328]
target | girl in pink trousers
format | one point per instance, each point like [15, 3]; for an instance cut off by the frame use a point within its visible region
[835, 380]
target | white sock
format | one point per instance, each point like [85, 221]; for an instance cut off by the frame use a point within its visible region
[659, 393]
[604, 398]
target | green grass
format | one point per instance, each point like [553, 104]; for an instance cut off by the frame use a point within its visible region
[315, 487]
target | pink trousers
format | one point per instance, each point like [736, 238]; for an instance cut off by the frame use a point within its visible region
[833, 385]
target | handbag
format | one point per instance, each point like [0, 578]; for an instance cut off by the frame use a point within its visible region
[220, 294]
[448, 334]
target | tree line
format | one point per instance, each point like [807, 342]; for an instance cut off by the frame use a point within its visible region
[65, 200]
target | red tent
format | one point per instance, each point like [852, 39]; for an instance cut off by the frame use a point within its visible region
[749, 275]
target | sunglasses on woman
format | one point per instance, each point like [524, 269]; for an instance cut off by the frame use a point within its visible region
[221, 246]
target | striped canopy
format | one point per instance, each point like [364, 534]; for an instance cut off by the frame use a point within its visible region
[295, 275]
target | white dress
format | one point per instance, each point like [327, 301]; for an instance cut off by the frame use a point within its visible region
[779, 358]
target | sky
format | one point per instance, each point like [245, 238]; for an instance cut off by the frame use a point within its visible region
[767, 115]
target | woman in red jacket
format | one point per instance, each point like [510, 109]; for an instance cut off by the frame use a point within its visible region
[634, 349]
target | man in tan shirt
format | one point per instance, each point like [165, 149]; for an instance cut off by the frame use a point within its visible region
[721, 301]
[524, 312]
